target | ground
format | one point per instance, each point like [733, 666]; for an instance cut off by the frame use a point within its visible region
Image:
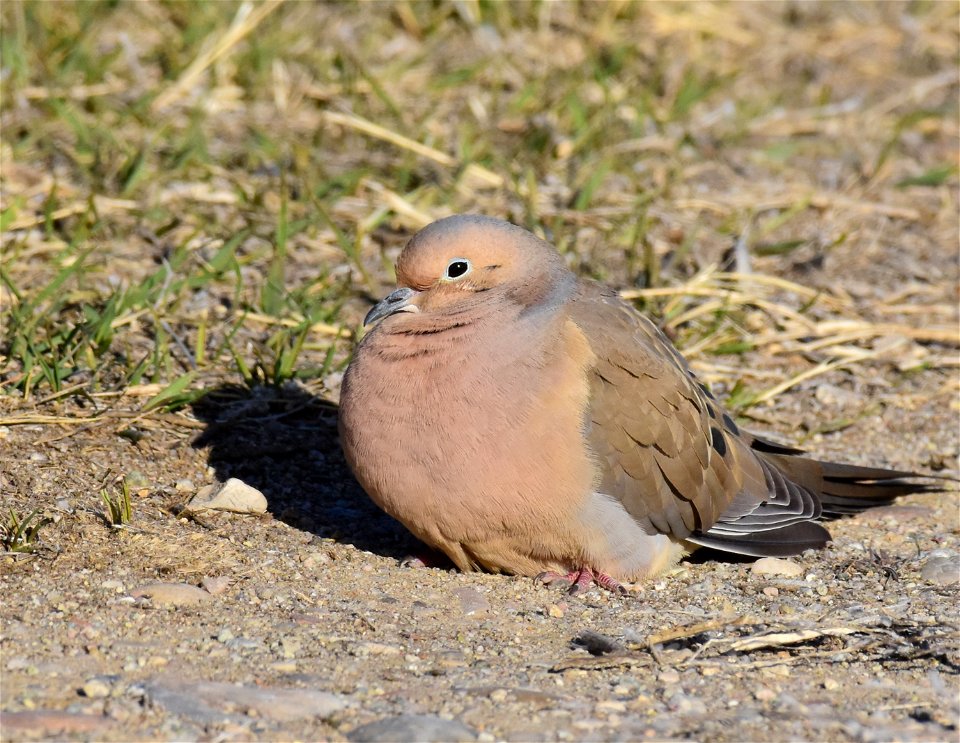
[199, 203]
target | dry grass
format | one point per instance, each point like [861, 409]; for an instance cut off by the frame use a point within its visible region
[195, 195]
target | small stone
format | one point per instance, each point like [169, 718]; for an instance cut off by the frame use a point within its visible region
[290, 646]
[172, 594]
[471, 601]
[942, 568]
[315, 560]
[831, 684]
[555, 611]
[765, 695]
[412, 729]
[216, 586]
[499, 695]
[830, 394]
[375, 648]
[96, 688]
[669, 677]
[18, 663]
[771, 591]
[776, 566]
[112, 585]
[611, 705]
[234, 495]
[225, 635]
[184, 486]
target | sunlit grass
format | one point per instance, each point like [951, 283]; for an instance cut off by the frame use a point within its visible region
[195, 195]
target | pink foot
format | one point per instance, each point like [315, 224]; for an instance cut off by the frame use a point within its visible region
[579, 580]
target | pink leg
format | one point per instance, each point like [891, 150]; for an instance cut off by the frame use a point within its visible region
[579, 580]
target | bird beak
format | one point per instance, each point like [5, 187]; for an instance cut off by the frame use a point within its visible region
[398, 301]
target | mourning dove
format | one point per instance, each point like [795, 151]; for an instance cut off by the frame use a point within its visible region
[526, 421]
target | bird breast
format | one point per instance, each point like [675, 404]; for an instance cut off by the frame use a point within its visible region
[467, 435]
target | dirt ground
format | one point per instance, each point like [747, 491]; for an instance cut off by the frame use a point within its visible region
[302, 623]
[316, 600]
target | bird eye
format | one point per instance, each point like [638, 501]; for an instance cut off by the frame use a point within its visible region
[457, 268]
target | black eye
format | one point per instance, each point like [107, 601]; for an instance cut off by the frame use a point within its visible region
[457, 268]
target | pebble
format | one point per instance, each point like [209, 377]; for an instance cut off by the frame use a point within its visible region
[217, 585]
[96, 688]
[18, 663]
[184, 486]
[765, 695]
[771, 591]
[472, 602]
[234, 495]
[831, 394]
[412, 729]
[610, 705]
[669, 677]
[776, 566]
[942, 568]
[375, 648]
[172, 594]
[210, 702]
[555, 611]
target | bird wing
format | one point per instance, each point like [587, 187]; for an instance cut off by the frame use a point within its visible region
[668, 451]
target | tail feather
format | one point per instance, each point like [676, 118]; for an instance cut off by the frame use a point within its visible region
[783, 542]
[837, 489]
[850, 488]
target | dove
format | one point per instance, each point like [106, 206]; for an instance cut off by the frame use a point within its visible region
[523, 420]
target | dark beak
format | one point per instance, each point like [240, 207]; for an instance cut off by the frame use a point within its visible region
[398, 301]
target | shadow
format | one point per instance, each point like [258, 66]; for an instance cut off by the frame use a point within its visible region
[283, 441]
[708, 554]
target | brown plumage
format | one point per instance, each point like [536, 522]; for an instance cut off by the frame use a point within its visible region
[524, 421]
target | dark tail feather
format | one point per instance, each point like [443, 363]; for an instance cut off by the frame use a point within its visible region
[784, 542]
[849, 489]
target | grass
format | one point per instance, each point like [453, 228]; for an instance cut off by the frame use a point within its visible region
[198, 195]
[117, 509]
[21, 533]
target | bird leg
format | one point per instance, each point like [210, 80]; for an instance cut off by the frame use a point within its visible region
[579, 580]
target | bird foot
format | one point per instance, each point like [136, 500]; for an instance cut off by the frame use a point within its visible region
[579, 580]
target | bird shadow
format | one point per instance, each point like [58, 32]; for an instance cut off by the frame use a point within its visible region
[283, 441]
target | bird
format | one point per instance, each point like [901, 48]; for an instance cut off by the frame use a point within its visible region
[523, 420]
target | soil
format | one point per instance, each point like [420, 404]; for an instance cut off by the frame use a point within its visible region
[312, 596]
[302, 623]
